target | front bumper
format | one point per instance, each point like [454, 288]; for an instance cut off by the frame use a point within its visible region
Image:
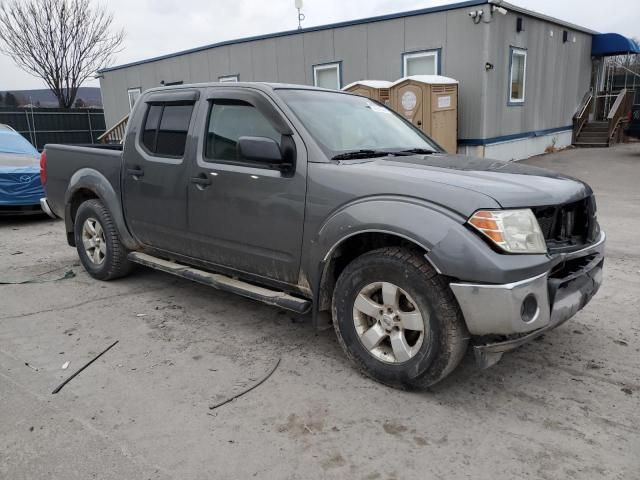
[497, 310]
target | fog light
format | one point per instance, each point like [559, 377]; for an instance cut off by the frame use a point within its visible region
[529, 308]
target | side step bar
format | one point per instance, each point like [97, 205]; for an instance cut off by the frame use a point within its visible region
[222, 282]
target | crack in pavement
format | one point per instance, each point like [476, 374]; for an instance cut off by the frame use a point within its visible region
[581, 373]
[86, 302]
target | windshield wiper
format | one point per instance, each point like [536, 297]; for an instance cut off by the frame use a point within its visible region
[361, 154]
[415, 151]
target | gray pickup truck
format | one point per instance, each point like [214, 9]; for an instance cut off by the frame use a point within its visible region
[329, 203]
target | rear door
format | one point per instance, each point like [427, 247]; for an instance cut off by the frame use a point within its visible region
[155, 173]
[245, 215]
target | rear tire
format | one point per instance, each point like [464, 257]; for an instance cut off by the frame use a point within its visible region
[99, 247]
[398, 320]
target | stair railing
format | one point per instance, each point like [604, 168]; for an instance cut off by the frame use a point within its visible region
[618, 115]
[116, 133]
[582, 115]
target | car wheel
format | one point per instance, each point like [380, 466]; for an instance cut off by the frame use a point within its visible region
[99, 247]
[398, 320]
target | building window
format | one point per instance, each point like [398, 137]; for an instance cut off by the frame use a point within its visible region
[327, 75]
[165, 129]
[134, 94]
[517, 76]
[421, 63]
[229, 78]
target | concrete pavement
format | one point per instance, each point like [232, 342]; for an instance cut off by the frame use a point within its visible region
[562, 407]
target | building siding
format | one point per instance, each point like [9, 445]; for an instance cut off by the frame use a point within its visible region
[556, 78]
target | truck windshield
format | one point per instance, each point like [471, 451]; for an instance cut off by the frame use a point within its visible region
[347, 123]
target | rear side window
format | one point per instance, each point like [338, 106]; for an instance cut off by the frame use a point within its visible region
[151, 127]
[165, 129]
[228, 121]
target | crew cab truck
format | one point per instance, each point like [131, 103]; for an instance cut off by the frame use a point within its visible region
[325, 202]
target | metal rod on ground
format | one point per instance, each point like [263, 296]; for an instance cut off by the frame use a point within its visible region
[59, 387]
[247, 390]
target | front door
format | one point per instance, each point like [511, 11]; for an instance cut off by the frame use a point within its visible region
[156, 168]
[245, 215]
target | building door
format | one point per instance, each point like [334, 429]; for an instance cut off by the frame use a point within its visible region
[410, 101]
[245, 215]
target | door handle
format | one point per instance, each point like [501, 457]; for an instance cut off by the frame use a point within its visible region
[201, 180]
[135, 172]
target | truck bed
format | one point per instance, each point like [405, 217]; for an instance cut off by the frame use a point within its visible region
[64, 161]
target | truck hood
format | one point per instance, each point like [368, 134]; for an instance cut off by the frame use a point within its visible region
[510, 184]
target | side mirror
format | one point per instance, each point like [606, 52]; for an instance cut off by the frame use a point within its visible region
[260, 149]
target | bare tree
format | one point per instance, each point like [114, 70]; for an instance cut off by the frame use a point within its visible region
[63, 42]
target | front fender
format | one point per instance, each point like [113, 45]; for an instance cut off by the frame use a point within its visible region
[420, 222]
[94, 181]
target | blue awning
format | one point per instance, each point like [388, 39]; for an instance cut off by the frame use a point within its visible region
[608, 44]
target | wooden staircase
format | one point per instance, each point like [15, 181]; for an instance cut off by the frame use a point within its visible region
[115, 135]
[606, 132]
[593, 134]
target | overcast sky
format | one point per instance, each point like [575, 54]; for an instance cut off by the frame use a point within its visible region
[156, 27]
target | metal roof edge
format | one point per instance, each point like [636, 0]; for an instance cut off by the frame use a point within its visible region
[361, 21]
[541, 16]
[348, 23]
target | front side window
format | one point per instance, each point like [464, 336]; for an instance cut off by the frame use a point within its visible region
[327, 76]
[343, 123]
[517, 76]
[165, 129]
[420, 63]
[228, 121]
[134, 94]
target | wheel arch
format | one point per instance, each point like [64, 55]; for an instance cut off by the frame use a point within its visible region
[351, 247]
[86, 184]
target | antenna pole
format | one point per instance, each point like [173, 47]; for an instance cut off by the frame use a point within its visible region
[300, 19]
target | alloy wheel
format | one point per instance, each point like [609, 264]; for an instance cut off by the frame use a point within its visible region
[388, 322]
[93, 239]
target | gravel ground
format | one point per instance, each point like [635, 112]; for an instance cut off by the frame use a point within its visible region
[563, 407]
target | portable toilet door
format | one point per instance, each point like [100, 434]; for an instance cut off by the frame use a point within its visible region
[373, 89]
[444, 116]
[430, 102]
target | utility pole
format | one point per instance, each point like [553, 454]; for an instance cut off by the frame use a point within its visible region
[301, 16]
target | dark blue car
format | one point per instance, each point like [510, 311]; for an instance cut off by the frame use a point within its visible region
[20, 187]
[633, 127]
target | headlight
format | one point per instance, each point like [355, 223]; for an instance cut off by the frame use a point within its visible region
[514, 231]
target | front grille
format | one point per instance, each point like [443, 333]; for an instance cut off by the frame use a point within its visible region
[572, 267]
[570, 226]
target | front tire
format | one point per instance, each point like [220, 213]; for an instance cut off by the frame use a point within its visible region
[99, 247]
[397, 319]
